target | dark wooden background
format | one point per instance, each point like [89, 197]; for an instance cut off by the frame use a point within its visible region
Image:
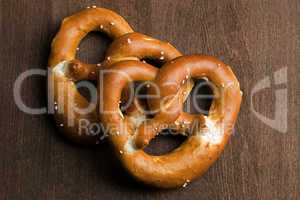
[255, 37]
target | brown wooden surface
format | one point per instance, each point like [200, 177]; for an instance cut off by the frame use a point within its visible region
[255, 37]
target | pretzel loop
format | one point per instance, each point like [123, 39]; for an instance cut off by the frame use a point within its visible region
[77, 26]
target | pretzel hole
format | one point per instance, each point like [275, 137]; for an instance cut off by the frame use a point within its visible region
[87, 88]
[92, 48]
[154, 62]
[165, 142]
[200, 98]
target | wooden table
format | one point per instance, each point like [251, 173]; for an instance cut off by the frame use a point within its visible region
[257, 38]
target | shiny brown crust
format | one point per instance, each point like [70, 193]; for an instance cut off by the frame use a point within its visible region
[63, 49]
[175, 74]
[201, 149]
[137, 46]
[74, 28]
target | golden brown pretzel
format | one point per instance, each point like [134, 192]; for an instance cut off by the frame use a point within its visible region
[205, 144]
[66, 69]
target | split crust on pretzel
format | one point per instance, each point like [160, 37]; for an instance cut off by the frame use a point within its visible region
[66, 69]
[201, 149]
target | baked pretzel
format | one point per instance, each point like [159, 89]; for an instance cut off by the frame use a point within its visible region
[202, 147]
[66, 69]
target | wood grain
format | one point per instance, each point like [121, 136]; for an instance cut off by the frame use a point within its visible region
[255, 37]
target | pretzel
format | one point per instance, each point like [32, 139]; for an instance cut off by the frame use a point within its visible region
[202, 147]
[65, 69]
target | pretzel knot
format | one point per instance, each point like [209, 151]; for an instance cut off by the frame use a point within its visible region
[131, 131]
